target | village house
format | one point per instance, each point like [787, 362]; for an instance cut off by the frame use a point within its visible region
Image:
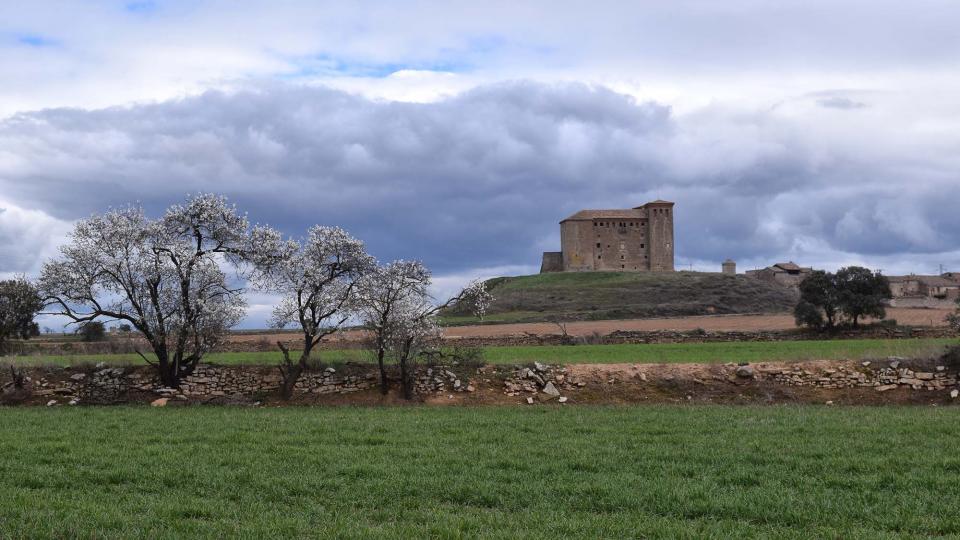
[943, 287]
[788, 274]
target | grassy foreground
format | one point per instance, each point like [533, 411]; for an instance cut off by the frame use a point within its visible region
[771, 351]
[723, 472]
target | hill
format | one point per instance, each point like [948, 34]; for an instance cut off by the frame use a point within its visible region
[627, 295]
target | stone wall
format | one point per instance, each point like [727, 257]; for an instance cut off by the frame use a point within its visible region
[672, 336]
[890, 376]
[105, 385]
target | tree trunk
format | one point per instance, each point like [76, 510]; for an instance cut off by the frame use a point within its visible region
[166, 369]
[290, 377]
[384, 385]
[290, 372]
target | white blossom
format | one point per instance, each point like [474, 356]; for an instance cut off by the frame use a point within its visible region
[162, 276]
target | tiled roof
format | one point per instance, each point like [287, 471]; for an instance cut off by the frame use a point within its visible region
[629, 213]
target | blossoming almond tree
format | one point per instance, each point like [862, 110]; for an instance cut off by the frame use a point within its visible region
[316, 280]
[163, 276]
[395, 306]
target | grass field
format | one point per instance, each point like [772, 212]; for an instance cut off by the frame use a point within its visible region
[853, 349]
[625, 295]
[414, 472]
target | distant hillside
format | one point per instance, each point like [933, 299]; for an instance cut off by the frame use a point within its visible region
[618, 295]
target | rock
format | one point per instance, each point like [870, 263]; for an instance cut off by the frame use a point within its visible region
[78, 376]
[329, 370]
[563, 399]
[530, 401]
[895, 364]
[886, 387]
[865, 363]
[470, 388]
[100, 365]
[745, 372]
[829, 403]
[550, 390]
[162, 402]
[954, 393]
[73, 402]
[457, 383]
[51, 403]
[923, 376]
[642, 376]
[539, 367]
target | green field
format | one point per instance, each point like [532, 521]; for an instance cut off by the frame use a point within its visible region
[852, 349]
[414, 472]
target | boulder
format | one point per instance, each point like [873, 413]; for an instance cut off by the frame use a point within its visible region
[954, 393]
[745, 372]
[78, 376]
[550, 390]
[162, 402]
[886, 387]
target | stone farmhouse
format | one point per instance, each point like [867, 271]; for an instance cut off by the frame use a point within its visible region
[788, 274]
[638, 239]
[943, 287]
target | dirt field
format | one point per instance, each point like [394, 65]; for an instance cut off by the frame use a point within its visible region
[718, 323]
[904, 316]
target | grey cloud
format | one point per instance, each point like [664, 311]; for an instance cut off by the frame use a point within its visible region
[480, 179]
[838, 102]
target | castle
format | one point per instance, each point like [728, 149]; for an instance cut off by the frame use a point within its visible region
[636, 239]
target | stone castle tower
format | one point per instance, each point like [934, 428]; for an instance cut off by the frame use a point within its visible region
[636, 239]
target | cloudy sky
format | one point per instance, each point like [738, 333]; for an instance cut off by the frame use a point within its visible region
[460, 133]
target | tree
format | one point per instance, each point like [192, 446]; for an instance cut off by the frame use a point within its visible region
[818, 294]
[953, 319]
[161, 276]
[809, 315]
[124, 328]
[861, 293]
[395, 306]
[20, 302]
[316, 280]
[92, 331]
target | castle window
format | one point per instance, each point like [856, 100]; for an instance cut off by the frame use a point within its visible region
[622, 266]
[599, 256]
[598, 244]
[641, 246]
[621, 257]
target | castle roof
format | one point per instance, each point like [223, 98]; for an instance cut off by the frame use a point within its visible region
[628, 213]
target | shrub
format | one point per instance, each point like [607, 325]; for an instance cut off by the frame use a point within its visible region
[92, 331]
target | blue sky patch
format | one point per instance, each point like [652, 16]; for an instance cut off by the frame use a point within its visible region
[36, 40]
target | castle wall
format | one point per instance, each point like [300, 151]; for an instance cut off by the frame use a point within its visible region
[660, 231]
[620, 245]
[575, 244]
